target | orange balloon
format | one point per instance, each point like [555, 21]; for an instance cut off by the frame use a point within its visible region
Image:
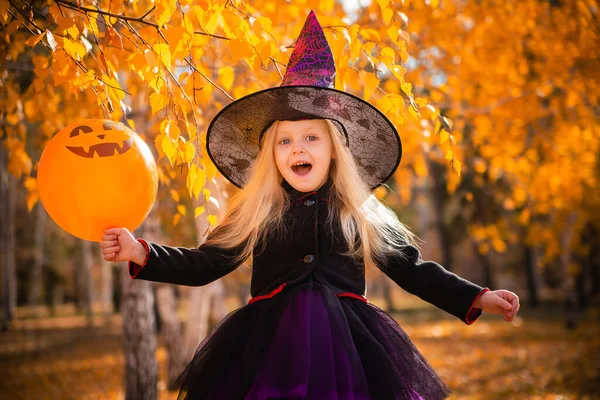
[94, 175]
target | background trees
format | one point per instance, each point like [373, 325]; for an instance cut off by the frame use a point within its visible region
[496, 104]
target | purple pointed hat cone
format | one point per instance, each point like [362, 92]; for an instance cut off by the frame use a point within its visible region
[235, 134]
[311, 62]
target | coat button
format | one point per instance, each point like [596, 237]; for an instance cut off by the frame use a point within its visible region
[309, 203]
[308, 259]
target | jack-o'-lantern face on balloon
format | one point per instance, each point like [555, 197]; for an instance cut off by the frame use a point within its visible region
[112, 139]
[97, 174]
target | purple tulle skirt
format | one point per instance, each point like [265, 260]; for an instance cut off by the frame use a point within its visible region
[308, 343]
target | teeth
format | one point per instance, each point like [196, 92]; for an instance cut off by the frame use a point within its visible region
[300, 163]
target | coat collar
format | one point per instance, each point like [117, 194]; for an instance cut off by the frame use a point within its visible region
[295, 195]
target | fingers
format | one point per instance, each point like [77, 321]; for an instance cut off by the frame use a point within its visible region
[505, 305]
[110, 243]
[515, 308]
[110, 250]
[513, 301]
[106, 243]
[112, 231]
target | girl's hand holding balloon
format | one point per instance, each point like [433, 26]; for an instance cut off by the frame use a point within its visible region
[118, 244]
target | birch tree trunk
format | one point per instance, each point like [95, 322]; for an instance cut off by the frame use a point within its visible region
[139, 339]
[8, 242]
[167, 309]
[202, 299]
[139, 323]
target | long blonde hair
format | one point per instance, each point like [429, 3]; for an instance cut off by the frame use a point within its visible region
[370, 228]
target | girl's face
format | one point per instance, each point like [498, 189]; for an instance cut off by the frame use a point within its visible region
[303, 152]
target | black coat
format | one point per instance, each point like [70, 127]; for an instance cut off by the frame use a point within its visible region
[310, 246]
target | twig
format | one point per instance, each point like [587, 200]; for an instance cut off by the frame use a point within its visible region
[209, 80]
[276, 67]
[116, 88]
[237, 9]
[211, 35]
[184, 93]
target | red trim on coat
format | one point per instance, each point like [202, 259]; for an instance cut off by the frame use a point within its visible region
[356, 296]
[474, 310]
[280, 288]
[267, 296]
[136, 268]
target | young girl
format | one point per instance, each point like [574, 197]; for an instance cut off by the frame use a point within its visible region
[306, 157]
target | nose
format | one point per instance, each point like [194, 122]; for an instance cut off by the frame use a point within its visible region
[101, 136]
[298, 150]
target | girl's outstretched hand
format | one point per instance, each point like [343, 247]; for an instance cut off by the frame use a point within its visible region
[499, 302]
[118, 244]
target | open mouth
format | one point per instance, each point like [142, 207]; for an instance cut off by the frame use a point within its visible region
[301, 168]
[102, 149]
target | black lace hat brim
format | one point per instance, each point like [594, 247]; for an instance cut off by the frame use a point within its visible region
[234, 135]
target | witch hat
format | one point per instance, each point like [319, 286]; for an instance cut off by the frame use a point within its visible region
[307, 92]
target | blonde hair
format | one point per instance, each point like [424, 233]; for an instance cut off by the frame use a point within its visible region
[370, 229]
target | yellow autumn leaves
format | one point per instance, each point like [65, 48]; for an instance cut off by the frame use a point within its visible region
[504, 95]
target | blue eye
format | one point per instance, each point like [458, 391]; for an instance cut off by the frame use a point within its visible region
[312, 138]
[284, 140]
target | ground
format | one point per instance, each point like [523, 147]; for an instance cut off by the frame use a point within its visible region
[534, 357]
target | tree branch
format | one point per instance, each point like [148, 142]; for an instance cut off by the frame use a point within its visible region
[141, 19]
[40, 30]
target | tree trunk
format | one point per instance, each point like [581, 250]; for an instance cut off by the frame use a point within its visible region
[86, 268]
[567, 281]
[488, 273]
[139, 323]
[200, 299]
[171, 329]
[438, 193]
[79, 278]
[141, 370]
[243, 293]
[532, 276]
[217, 307]
[198, 325]
[8, 195]
[37, 273]
[387, 287]
[593, 259]
[585, 279]
[107, 290]
[167, 309]
[6, 310]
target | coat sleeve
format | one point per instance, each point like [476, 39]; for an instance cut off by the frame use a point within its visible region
[185, 266]
[434, 284]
